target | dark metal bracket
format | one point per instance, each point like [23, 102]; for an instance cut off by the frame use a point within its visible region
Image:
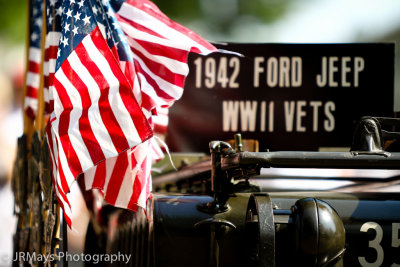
[369, 137]
[218, 150]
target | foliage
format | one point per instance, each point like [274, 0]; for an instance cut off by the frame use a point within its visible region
[221, 15]
[218, 16]
[13, 20]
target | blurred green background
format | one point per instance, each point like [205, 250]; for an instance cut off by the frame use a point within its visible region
[217, 16]
[13, 21]
[257, 20]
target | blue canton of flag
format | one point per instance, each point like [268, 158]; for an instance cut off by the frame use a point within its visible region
[36, 23]
[118, 35]
[54, 12]
[76, 22]
[111, 30]
[100, 15]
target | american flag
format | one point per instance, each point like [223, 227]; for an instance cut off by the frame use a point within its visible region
[95, 114]
[34, 58]
[160, 49]
[122, 179]
[163, 67]
[118, 65]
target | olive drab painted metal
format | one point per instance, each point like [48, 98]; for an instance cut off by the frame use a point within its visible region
[247, 239]
[260, 213]
[319, 233]
[230, 222]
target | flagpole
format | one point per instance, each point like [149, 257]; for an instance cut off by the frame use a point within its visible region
[40, 122]
[54, 237]
[28, 123]
[20, 177]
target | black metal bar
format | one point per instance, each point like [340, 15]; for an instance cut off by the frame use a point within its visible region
[296, 159]
[238, 143]
[216, 179]
[388, 121]
[390, 135]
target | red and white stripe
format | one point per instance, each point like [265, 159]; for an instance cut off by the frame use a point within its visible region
[160, 122]
[32, 82]
[95, 113]
[61, 196]
[49, 67]
[90, 133]
[160, 48]
[125, 179]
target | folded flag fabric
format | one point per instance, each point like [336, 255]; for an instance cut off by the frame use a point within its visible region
[160, 49]
[95, 114]
[117, 65]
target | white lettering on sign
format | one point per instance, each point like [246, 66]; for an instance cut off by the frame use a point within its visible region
[251, 116]
[264, 115]
[296, 109]
[280, 71]
[209, 72]
[222, 72]
[234, 63]
[289, 115]
[329, 123]
[248, 114]
[230, 115]
[301, 113]
[330, 67]
[315, 105]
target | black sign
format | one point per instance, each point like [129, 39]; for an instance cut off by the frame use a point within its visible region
[287, 96]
